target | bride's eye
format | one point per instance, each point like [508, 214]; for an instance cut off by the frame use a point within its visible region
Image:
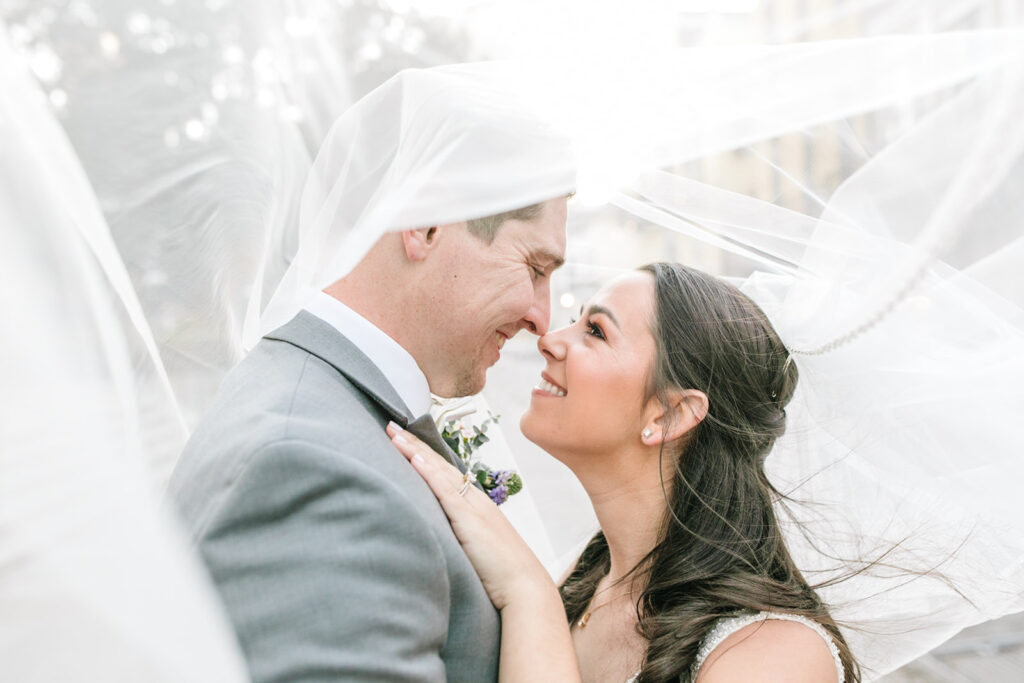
[595, 330]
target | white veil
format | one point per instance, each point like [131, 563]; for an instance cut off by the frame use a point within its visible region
[95, 583]
[427, 147]
[863, 191]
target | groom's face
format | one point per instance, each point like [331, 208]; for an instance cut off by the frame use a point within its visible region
[492, 291]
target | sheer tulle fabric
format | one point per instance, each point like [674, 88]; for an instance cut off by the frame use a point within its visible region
[428, 147]
[896, 275]
[95, 583]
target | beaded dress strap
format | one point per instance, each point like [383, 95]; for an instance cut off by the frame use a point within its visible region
[726, 627]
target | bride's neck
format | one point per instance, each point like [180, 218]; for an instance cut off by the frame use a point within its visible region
[630, 508]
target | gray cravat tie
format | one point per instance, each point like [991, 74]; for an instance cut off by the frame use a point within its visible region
[425, 429]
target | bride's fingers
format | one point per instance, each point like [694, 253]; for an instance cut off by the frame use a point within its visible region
[444, 480]
[412, 444]
[425, 459]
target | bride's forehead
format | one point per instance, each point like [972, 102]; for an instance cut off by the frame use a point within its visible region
[628, 294]
[630, 287]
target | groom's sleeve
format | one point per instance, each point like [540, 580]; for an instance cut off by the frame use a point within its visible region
[327, 571]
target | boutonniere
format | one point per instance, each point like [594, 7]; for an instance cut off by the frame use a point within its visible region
[463, 440]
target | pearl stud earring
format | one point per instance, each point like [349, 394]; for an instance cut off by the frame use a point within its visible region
[646, 433]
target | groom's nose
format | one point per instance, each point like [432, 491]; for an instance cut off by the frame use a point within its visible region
[538, 317]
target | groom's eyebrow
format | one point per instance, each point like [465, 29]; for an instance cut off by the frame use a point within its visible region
[550, 258]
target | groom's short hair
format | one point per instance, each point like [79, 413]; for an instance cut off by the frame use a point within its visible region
[486, 228]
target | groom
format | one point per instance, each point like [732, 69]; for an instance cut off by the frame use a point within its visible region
[331, 556]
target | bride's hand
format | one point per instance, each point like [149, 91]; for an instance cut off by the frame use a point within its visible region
[507, 567]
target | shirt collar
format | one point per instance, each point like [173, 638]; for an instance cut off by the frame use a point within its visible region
[396, 364]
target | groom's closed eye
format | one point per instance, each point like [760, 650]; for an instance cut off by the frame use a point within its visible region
[546, 261]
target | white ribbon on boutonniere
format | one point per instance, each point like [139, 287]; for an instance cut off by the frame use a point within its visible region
[445, 410]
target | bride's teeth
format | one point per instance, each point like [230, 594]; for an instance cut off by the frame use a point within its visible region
[501, 340]
[550, 388]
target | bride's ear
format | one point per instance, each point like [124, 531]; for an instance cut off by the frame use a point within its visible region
[419, 242]
[685, 410]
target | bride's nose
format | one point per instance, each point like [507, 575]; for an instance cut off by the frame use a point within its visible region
[552, 345]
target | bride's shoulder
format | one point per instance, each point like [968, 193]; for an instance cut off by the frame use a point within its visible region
[769, 647]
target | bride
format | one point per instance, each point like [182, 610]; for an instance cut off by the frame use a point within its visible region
[664, 399]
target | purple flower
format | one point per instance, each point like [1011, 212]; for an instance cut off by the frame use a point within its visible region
[500, 477]
[498, 494]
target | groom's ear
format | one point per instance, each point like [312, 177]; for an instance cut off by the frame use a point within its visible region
[686, 408]
[420, 242]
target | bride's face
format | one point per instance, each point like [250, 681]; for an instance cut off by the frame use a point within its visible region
[592, 393]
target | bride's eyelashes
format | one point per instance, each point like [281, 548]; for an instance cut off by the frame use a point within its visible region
[593, 329]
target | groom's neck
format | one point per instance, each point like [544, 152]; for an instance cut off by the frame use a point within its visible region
[363, 298]
[383, 290]
[399, 295]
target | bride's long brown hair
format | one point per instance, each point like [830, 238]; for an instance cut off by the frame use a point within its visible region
[721, 550]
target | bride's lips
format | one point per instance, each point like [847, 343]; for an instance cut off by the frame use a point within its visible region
[548, 387]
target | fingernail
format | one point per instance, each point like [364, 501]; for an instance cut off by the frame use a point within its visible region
[398, 438]
[393, 427]
[417, 457]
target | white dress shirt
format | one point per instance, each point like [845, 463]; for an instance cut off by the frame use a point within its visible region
[397, 365]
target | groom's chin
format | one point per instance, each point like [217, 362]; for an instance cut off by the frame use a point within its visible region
[458, 382]
[469, 384]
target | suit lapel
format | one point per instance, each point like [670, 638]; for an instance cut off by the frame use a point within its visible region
[313, 335]
[426, 430]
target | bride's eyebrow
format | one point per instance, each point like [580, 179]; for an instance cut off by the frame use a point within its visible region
[596, 309]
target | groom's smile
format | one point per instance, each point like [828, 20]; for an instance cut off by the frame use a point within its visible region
[499, 341]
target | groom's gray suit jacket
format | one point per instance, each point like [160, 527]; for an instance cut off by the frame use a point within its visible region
[333, 558]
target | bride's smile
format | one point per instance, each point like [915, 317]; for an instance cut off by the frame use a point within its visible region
[591, 392]
[547, 387]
